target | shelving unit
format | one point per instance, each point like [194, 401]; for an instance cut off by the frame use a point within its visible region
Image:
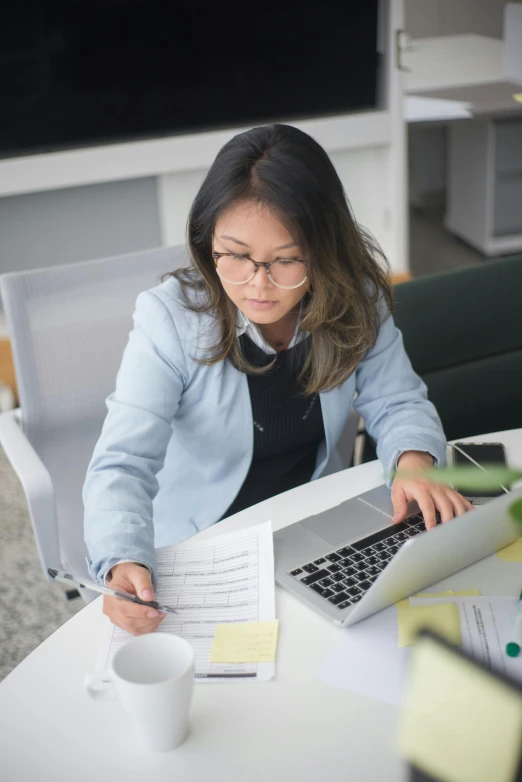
[485, 184]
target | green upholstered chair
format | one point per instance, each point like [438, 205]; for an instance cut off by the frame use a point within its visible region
[463, 333]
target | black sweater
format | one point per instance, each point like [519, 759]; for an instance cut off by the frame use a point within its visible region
[288, 427]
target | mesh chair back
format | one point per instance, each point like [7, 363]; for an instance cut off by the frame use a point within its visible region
[68, 327]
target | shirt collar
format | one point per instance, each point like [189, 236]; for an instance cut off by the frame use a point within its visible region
[245, 326]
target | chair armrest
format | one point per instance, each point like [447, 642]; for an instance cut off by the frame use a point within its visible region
[37, 485]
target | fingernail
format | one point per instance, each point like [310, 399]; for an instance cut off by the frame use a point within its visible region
[396, 516]
[147, 594]
[152, 613]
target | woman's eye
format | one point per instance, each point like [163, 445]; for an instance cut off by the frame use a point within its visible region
[241, 257]
[286, 263]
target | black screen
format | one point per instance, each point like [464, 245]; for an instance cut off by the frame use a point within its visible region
[78, 72]
[483, 454]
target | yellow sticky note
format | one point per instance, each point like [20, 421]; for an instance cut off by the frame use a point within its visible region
[517, 96]
[512, 553]
[441, 618]
[249, 642]
[451, 593]
[459, 723]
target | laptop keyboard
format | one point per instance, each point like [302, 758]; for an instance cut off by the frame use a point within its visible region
[342, 576]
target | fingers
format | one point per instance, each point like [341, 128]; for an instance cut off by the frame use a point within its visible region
[430, 497]
[443, 504]
[132, 610]
[467, 504]
[400, 503]
[426, 504]
[450, 503]
[447, 501]
[460, 504]
[136, 625]
[135, 618]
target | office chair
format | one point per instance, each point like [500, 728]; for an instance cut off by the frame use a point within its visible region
[68, 327]
[463, 333]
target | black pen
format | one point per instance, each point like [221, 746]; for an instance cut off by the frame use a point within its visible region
[66, 578]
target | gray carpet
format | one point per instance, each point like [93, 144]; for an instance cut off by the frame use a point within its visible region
[31, 608]
[433, 249]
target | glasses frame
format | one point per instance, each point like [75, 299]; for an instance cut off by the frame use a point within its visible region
[256, 265]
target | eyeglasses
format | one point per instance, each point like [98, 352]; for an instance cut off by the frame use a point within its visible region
[239, 269]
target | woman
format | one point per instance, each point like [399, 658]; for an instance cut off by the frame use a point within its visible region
[239, 374]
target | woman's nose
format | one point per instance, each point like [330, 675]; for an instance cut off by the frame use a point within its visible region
[261, 276]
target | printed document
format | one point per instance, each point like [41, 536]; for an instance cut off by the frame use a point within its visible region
[486, 624]
[228, 578]
[367, 658]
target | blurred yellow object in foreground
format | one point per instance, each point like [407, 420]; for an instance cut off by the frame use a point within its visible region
[512, 553]
[460, 723]
[441, 618]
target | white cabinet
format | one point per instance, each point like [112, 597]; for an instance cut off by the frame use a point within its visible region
[485, 184]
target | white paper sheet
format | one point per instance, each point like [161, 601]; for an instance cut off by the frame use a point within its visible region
[367, 659]
[229, 578]
[486, 624]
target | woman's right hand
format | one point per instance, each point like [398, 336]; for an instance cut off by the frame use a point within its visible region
[135, 579]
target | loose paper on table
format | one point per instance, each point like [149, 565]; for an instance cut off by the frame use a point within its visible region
[486, 624]
[367, 658]
[229, 578]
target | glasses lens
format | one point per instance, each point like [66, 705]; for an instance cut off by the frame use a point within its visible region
[288, 273]
[233, 268]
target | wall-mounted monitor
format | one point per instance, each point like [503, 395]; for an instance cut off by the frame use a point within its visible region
[82, 72]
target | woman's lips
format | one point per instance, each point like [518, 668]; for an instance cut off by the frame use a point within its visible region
[261, 304]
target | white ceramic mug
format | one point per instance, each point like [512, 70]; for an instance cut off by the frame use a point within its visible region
[152, 675]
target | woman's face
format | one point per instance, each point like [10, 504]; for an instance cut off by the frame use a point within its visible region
[251, 229]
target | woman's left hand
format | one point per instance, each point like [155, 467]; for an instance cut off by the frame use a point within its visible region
[430, 496]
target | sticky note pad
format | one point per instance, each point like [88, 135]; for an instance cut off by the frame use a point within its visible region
[517, 96]
[441, 618]
[451, 593]
[459, 723]
[249, 642]
[512, 553]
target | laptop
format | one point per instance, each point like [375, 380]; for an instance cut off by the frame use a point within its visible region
[350, 561]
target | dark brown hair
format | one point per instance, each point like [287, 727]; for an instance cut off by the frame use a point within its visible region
[285, 169]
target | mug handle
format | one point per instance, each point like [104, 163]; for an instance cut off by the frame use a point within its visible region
[100, 686]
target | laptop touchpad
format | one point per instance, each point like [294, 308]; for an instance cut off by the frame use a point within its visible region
[350, 520]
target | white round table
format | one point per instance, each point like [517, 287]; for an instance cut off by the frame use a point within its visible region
[292, 728]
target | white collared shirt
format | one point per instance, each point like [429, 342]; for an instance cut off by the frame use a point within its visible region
[245, 326]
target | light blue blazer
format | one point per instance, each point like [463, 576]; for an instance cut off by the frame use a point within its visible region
[177, 441]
